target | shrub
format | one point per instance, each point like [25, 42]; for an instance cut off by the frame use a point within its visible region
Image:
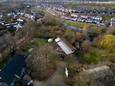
[108, 42]
[93, 56]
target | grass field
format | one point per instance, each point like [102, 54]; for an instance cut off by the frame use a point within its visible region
[40, 42]
[37, 42]
[81, 25]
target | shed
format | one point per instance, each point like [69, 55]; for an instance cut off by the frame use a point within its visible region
[64, 46]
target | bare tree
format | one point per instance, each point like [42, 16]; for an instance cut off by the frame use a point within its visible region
[40, 63]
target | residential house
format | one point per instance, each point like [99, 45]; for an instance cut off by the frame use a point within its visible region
[74, 15]
[33, 17]
[97, 19]
[112, 23]
[1, 16]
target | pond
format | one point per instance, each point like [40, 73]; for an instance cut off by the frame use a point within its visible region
[14, 67]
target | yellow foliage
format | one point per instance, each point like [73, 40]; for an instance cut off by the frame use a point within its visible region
[108, 42]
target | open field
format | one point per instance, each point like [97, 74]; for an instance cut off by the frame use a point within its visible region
[81, 25]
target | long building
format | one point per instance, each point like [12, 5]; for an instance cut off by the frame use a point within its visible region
[84, 1]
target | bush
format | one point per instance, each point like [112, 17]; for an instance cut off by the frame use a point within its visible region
[93, 56]
[111, 30]
[86, 46]
[108, 42]
[70, 35]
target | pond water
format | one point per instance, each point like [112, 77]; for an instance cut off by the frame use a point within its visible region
[14, 67]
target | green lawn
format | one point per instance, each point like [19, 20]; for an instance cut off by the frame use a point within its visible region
[36, 42]
[40, 42]
[81, 25]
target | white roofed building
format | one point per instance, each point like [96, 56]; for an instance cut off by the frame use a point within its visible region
[112, 23]
[64, 46]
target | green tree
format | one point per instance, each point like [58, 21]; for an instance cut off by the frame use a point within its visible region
[93, 56]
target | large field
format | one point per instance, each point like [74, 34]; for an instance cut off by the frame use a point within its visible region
[81, 25]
